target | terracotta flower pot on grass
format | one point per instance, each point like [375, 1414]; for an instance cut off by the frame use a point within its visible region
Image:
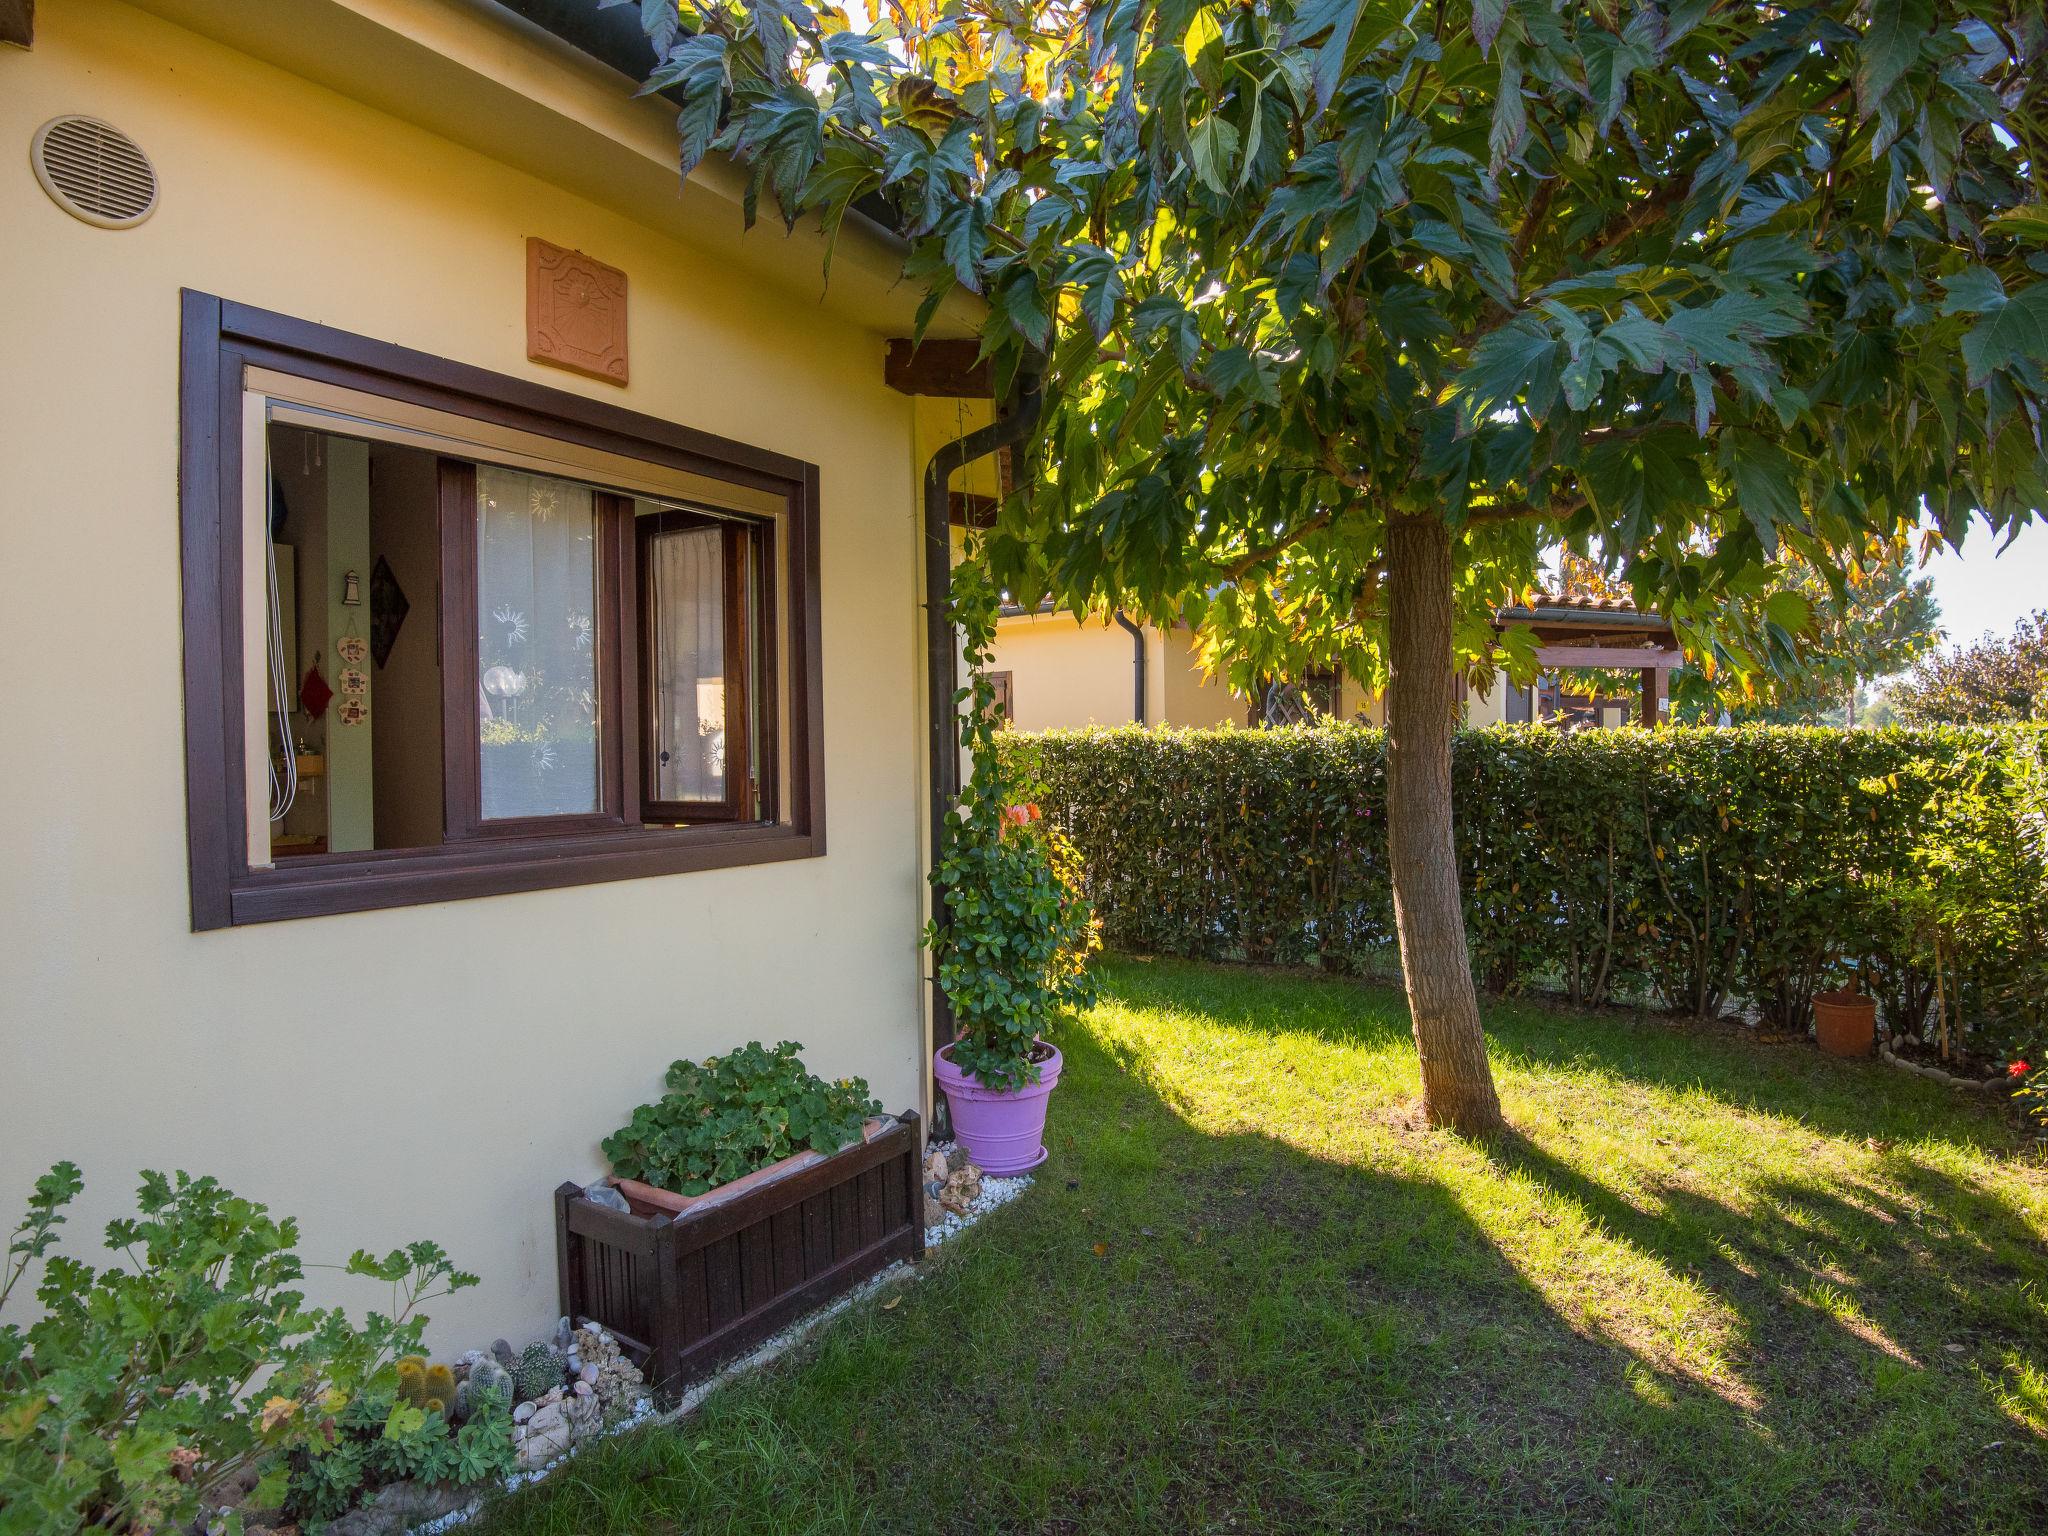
[1845, 1023]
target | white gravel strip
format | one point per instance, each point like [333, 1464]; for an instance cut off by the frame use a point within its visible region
[995, 1193]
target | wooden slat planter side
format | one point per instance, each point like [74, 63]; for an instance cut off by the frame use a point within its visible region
[688, 1293]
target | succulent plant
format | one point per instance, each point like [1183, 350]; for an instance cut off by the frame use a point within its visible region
[539, 1368]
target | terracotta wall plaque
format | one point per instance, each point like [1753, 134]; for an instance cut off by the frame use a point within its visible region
[575, 312]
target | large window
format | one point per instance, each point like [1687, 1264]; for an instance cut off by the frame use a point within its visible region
[475, 635]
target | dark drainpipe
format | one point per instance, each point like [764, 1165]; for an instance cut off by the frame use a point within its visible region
[1016, 421]
[1137, 634]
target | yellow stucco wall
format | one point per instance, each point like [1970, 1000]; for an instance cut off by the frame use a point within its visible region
[1067, 673]
[1191, 696]
[429, 1071]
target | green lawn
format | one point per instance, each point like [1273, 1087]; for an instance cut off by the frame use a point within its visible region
[1707, 1286]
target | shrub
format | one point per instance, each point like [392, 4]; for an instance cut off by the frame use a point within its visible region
[1691, 866]
[732, 1114]
[130, 1399]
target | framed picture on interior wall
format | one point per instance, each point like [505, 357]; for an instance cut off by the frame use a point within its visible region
[388, 608]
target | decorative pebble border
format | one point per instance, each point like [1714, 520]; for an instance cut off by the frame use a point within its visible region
[1981, 1083]
[995, 1193]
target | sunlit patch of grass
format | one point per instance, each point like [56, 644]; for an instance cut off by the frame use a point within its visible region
[2022, 1391]
[1703, 1287]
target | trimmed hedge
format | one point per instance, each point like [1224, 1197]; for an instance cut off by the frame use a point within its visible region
[1694, 867]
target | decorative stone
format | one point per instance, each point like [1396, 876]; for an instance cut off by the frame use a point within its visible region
[935, 1166]
[398, 1508]
[502, 1353]
[584, 1389]
[589, 1373]
[934, 1213]
[522, 1413]
[962, 1189]
[956, 1158]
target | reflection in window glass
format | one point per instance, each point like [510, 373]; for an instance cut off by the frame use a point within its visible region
[688, 693]
[536, 660]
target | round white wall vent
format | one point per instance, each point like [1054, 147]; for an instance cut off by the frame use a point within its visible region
[94, 171]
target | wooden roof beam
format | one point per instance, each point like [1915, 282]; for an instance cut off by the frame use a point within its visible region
[950, 369]
[1631, 657]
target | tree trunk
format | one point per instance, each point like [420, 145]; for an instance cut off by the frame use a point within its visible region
[1457, 1084]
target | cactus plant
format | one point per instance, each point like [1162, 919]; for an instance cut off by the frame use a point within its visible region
[488, 1376]
[539, 1369]
[412, 1378]
[430, 1388]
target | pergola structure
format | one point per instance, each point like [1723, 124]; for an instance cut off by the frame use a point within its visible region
[1608, 632]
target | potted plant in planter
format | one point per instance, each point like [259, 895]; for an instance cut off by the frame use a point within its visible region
[1012, 933]
[731, 1123]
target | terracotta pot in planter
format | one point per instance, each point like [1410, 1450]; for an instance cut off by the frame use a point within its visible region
[1845, 1023]
[649, 1200]
[1003, 1130]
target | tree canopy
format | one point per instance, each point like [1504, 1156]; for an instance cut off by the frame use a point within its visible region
[1998, 680]
[1699, 284]
[1876, 620]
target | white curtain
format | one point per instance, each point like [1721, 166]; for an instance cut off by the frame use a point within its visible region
[689, 678]
[537, 661]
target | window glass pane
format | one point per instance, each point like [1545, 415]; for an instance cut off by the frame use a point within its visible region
[536, 660]
[688, 620]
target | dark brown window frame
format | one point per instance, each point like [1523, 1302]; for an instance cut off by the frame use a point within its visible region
[737, 540]
[219, 341]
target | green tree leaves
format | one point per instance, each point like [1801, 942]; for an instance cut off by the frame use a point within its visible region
[1705, 287]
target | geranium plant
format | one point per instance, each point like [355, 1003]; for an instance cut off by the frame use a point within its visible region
[1012, 931]
[134, 1396]
[729, 1115]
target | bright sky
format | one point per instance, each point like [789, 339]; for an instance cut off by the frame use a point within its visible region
[1982, 590]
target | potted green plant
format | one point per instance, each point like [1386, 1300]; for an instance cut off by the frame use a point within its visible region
[731, 1123]
[1011, 934]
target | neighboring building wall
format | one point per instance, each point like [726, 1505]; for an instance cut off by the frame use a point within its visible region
[1064, 673]
[1487, 706]
[1191, 697]
[426, 1071]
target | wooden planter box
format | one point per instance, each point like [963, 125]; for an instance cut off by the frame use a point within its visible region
[687, 1293]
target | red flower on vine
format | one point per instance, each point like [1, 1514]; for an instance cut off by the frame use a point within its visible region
[2017, 1069]
[1020, 815]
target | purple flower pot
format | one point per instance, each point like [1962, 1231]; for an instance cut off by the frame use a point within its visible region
[1003, 1131]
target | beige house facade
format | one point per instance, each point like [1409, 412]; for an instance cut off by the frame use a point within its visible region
[532, 856]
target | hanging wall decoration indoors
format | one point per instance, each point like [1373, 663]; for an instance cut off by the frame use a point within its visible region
[388, 608]
[354, 707]
[314, 692]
